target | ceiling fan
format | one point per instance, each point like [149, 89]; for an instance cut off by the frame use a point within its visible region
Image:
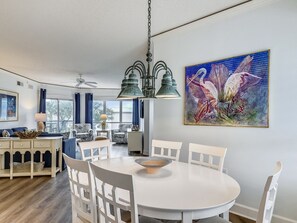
[81, 81]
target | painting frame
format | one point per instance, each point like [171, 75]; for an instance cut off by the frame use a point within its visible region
[255, 66]
[9, 106]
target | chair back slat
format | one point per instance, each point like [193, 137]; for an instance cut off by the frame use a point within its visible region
[168, 149]
[114, 192]
[207, 155]
[93, 150]
[269, 195]
[82, 193]
[267, 202]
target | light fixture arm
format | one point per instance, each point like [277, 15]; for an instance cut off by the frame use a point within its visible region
[170, 72]
[139, 66]
[159, 66]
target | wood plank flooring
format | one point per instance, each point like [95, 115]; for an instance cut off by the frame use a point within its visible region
[41, 199]
[46, 199]
[238, 219]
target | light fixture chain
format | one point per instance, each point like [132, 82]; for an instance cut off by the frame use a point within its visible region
[149, 28]
[149, 54]
[130, 87]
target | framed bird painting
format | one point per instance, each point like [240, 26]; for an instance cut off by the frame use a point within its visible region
[228, 92]
[9, 102]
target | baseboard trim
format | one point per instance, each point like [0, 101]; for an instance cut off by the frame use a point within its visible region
[251, 213]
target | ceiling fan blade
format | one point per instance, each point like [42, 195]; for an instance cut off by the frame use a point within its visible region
[90, 85]
[78, 84]
[91, 82]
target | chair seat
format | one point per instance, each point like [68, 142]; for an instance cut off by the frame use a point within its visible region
[119, 134]
[82, 133]
[143, 219]
[215, 219]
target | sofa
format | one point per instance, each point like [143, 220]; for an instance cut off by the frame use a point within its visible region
[121, 135]
[68, 147]
[12, 131]
[83, 132]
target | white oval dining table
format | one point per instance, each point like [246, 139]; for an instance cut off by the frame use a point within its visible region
[178, 191]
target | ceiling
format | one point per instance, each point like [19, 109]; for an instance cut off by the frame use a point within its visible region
[53, 41]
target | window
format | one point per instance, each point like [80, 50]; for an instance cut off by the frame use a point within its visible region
[113, 108]
[127, 107]
[117, 112]
[98, 109]
[59, 115]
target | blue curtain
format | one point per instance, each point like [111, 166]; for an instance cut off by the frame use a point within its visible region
[42, 101]
[77, 108]
[141, 108]
[89, 109]
[135, 113]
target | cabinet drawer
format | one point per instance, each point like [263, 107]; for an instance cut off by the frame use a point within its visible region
[41, 144]
[5, 145]
[20, 145]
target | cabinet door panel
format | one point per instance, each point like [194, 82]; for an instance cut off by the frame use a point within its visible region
[5, 145]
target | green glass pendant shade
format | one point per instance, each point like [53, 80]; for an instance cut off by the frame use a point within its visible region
[167, 90]
[131, 90]
[123, 86]
[174, 85]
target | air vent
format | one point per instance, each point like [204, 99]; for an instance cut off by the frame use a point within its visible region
[20, 83]
[30, 86]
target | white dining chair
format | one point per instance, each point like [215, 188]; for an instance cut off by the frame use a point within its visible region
[82, 192]
[94, 150]
[209, 156]
[166, 149]
[114, 195]
[267, 202]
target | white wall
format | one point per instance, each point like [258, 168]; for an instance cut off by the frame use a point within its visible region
[252, 152]
[28, 99]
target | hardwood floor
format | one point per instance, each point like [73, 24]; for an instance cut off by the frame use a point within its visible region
[41, 199]
[46, 199]
[238, 219]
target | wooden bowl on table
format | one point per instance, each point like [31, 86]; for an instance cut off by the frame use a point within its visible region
[153, 164]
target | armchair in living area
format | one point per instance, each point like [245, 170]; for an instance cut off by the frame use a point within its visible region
[121, 135]
[84, 132]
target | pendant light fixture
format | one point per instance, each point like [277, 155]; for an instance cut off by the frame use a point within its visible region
[129, 87]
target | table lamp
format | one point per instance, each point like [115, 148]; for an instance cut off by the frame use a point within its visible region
[103, 117]
[40, 118]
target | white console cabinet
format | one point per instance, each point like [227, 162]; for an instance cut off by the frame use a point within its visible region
[42, 144]
[135, 141]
